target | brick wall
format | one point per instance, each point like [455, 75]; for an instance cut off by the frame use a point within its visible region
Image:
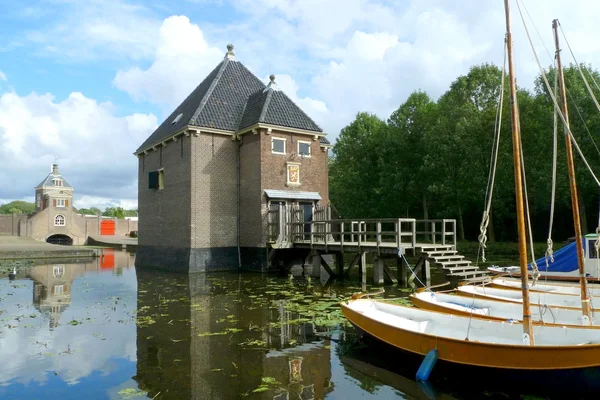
[214, 191]
[251, 195]
[164, 215]
[9, 224]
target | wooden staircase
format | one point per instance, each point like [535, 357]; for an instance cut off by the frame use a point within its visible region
[445, 258]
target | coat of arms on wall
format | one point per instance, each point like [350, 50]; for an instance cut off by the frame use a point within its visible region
[293, 174]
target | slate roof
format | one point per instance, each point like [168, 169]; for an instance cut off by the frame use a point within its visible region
[232, 98]
[324, 140]
[271, 106]
[47, 182]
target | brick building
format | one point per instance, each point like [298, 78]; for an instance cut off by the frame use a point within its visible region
[234, 149]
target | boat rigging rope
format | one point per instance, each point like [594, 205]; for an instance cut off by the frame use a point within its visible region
[587, 85]
[534, 266]
[560, 113]
[493, 162]
[549, 251]
[573, 101]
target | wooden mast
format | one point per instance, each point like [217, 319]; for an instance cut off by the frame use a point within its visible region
[516, 139]
[585, 300]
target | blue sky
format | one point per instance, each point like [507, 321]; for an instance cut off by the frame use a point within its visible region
[85, 82]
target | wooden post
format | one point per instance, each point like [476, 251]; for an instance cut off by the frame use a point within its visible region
[378, 271]
[426, 272]
[339, 265]
[362, 268]
[378, 235]
[443, 232]
[400, 270]
[316, 264]
[342, 237]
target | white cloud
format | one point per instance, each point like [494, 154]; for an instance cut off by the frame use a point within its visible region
[92, 145]
[182, 59]
[2, 76]
[96, 30]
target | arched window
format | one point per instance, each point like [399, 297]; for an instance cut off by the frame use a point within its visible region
[59, 220]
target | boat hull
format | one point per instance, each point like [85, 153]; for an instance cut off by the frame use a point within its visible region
[543, 286]
[467, 380]
[554, 300]
[553, 276]
[489, 309]
[475, 353]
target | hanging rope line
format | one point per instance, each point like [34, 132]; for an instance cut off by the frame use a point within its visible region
[549, 251]
[534, 267]
[587, 85]
[560, 113]
[493, 162]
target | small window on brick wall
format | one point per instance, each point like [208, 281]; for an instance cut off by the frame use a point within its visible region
[278, 146]
[304, 149]
[156, 179]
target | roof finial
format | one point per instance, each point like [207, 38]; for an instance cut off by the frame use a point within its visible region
[230, 54]
[272, 84]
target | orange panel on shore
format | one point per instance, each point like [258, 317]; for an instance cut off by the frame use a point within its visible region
[107, 227]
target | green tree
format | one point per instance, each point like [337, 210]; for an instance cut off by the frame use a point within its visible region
[406, 165]
[17, 207]
[89, 211]
[463, 142]
[114, 212]
[354, 182]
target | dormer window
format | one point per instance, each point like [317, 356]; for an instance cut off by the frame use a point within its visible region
[177, 118]
[57, 182]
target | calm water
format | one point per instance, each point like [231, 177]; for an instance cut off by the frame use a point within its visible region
[102, 330]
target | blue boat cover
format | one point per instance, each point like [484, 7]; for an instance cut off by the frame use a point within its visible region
[565, 259]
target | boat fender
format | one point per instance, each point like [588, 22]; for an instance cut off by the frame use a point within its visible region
[427, 365]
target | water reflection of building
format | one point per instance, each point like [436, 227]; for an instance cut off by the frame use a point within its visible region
[53, 283]
[180, 356]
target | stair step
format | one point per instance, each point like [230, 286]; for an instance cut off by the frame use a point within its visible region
[433, 253]
[448, 258]
[465, 268]
[434, 248]
[454, 263]
[469, 273]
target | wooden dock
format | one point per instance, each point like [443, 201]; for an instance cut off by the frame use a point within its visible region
[432, 241]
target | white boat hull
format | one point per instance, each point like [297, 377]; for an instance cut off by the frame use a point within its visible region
[500, 310]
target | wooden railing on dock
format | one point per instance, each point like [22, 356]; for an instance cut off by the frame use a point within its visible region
[289, 227]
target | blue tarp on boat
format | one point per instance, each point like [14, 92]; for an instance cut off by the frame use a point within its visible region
[565, 259]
